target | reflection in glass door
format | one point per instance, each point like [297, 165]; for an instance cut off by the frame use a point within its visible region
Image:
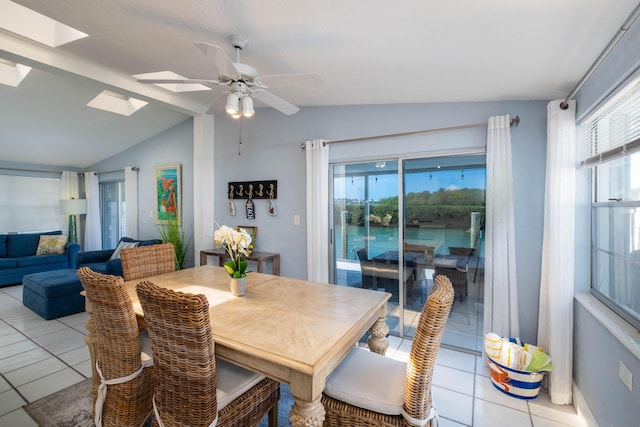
[365, 229]
[380, 240]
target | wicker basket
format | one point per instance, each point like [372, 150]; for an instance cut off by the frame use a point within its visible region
[520, 384]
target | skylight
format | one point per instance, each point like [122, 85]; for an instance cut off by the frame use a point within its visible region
[116, 103]
[11, 73]
[36, 26]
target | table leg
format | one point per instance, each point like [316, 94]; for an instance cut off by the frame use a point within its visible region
[306, 414]
[378, 342]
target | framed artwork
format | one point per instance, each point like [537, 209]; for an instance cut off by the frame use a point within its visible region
[168, 192]
[253, 232]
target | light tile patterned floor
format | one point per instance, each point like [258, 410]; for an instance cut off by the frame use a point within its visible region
[39, 357]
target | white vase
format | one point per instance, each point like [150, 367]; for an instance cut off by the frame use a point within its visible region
[238, 286]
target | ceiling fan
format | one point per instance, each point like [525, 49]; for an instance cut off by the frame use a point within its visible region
[242, 82]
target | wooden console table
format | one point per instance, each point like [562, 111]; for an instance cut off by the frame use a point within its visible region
[259, 257]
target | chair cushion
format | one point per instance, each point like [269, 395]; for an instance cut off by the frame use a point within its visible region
[147, 353]
[370, 381]
[446, 262]
[232, 381]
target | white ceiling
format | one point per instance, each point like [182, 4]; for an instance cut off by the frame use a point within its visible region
[368, 51]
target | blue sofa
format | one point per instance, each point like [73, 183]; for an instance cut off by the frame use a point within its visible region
[101, 262]
[18, 256]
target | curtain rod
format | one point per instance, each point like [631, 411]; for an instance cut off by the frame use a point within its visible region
[135, 168]
[44, 171]
[565, 104]
[514, 122]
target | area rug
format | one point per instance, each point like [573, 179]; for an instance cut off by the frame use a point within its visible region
[71, 407]
[68, 407]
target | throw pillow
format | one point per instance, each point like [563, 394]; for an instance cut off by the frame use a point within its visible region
[122, 245]
[51, 245]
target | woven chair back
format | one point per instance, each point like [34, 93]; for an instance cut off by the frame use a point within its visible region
[147, 261]
[183, 354]
[118, 351]
[426, 343]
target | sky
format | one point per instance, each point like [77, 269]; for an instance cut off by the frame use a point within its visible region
[387, 185]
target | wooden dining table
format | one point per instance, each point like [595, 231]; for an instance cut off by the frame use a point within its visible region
[294, 331]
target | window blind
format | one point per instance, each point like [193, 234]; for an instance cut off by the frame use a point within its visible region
[615, 131]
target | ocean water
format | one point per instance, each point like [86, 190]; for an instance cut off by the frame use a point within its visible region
[382, 239]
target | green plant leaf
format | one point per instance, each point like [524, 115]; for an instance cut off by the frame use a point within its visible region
[243, 266]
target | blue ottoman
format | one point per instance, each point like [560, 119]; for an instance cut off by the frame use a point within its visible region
[53, 294]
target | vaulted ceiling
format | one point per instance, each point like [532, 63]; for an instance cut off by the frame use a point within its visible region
[367, 51]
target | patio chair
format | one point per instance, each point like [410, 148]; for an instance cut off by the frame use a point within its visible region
[367, 389]
[146, 261]
[192, 386]
[124, 361]
[377, 275]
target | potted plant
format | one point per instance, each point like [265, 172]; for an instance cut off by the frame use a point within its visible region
[171, 232]
[236, 244]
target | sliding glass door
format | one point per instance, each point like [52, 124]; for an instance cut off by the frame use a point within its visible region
[365, 229]
[436, 226]
[444, 211]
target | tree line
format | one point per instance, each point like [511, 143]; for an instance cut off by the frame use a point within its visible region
[442, 206]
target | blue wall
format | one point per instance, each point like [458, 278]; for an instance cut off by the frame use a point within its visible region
[271, 149]
[174, 145]
[597, 352]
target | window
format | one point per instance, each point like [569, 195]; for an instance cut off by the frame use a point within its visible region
[613, 141]
[29, 203]
[112, 209]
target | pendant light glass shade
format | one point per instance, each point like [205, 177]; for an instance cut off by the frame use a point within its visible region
[232, 104]
[247, 106]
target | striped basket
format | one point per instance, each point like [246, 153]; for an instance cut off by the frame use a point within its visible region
[520, 384]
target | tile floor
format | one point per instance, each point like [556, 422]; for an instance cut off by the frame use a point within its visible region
[39, 357]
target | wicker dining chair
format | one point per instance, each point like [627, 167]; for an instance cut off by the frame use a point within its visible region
[192, 386]
[146, 261]
[124, 362]
[367, 389]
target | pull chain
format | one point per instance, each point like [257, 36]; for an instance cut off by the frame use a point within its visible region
[240, 136]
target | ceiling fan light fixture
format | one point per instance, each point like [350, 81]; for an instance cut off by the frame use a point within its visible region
[232, 105]
[247, 107]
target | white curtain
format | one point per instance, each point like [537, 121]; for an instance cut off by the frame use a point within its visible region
[317, 210]
[131, 201]
[93, 230]
[68, 190]
[501, 291]
[555, 322]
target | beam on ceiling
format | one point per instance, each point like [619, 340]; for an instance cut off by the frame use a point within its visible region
[61, 63]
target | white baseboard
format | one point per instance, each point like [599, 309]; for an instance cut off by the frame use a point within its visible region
[582, 408]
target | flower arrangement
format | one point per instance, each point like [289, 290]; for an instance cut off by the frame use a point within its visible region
[236, 243]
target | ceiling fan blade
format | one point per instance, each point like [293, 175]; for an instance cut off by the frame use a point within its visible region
[224, 65]
[276, 80]
[274, 101]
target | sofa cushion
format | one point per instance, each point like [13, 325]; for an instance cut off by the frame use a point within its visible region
[142, 242]
[25, 244]
[98, 267]
[3, 245]
[27, 261]
[122, 245]
[51, 245]
[7, 263]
